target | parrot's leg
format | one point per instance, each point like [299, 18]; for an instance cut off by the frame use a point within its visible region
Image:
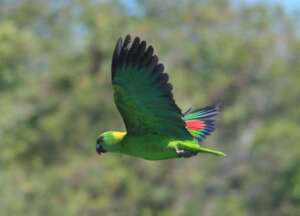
[185, 153]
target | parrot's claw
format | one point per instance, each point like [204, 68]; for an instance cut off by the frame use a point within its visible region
[185, 153]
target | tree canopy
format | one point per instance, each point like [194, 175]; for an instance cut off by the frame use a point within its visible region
[56, 97]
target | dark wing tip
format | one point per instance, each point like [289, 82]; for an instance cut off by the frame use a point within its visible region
[127, 52]
[127, 38]
[116, 54]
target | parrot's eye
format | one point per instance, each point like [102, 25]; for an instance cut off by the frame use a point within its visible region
[99, 147]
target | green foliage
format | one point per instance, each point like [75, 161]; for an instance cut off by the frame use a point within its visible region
[56, 97]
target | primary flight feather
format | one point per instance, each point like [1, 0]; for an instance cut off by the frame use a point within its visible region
[156, 127]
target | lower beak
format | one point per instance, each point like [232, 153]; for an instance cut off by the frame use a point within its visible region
[100, 150]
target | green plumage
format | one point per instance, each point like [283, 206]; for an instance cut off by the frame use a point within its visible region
[144, 106]
[157, 147]
[154, 123]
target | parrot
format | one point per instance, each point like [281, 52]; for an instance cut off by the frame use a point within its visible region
[156, 128]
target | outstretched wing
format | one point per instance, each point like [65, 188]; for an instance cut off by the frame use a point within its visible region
[142, 93]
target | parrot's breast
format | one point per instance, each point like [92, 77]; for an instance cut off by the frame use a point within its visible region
[150, 147]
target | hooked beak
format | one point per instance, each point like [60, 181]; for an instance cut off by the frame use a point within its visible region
[100, 149]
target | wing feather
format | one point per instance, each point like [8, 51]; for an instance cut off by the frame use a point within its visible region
[142, 92]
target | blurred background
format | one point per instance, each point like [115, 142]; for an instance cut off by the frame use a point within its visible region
[56, 97]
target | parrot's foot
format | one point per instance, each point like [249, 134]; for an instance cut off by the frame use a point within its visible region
[185, 153]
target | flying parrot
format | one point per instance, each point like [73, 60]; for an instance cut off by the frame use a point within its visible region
[156, 129]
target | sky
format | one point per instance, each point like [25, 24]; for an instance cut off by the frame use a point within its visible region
[290, 5]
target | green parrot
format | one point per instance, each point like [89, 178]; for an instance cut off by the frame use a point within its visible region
[156, 127]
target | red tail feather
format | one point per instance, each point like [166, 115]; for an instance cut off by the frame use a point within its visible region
[195, 124]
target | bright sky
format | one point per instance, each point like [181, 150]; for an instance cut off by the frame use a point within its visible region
[290, 5]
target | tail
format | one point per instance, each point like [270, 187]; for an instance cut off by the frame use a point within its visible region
[201, 122]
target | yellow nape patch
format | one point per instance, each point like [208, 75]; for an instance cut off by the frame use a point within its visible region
[119, 134]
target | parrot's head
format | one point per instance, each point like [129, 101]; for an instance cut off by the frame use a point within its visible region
[108, 141]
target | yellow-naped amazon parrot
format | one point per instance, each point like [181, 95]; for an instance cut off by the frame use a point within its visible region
[156, 127]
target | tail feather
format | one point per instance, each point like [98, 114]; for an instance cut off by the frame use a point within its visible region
[201, 122]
